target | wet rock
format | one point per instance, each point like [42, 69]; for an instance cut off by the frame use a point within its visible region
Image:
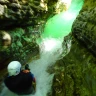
[5, 39]
[4, 2]
[28, 10]
[15, 5]
[84, 29]
[1, 10]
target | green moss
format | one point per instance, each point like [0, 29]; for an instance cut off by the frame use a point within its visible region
[21, 46]
[79, 72]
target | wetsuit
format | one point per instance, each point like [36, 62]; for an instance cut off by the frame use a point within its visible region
[21, 83]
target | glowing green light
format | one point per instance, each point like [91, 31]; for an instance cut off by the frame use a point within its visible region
[69, 15]
[60, 25]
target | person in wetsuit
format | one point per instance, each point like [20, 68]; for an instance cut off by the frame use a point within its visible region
[20, 81]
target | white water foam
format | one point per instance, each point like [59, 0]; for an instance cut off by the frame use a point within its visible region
[48, 57]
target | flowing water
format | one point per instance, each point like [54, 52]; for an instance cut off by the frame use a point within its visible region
[51, 48]
[60, 25]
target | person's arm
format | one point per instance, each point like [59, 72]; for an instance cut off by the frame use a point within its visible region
[33, 78]
[33, 81]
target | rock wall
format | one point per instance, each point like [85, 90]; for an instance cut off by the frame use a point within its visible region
[19, 13]
[79, 65]
[84, 26]
[26, 12]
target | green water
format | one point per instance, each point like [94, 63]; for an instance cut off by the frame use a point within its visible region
[60, 25]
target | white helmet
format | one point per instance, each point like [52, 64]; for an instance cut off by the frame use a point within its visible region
[14, 68]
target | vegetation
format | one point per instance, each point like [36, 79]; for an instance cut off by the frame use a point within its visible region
[23, 43]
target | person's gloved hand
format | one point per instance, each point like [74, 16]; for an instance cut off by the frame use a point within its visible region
[34, 85]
